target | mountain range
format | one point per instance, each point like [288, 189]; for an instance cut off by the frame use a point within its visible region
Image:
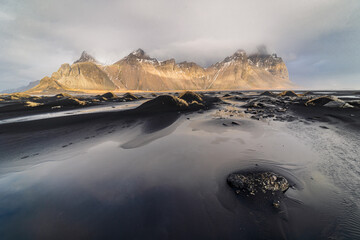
[138, 71]
[22, 88]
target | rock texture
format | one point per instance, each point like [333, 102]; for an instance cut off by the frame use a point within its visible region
[83, 76]
[138, 71]
[257, 182]
[85, 57]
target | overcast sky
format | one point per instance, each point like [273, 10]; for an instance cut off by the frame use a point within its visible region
[318, 40]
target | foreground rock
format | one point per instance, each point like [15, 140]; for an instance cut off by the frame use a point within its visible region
[262, 187]
[257, 182]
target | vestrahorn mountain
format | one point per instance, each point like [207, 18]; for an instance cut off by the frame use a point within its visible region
[138, 71]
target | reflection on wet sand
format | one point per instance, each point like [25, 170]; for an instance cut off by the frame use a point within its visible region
[154, 127]
[164, 177]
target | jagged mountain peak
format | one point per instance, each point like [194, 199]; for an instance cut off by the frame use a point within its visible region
[139, 53]
[263, 53]
[265, 57]
[239, 55]
[85, 57]
[240, 52]
[138, 56]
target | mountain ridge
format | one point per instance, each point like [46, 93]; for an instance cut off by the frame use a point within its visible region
[138, 71]
[22, 88]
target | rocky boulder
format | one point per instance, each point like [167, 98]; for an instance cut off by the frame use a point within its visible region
[253, 183]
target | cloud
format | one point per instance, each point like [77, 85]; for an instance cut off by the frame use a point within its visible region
[37, 36]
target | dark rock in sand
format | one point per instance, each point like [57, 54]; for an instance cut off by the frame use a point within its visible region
[254, 183]
[264, 107]
[130, 97]
[319, 101]
[328, 101]
[237, 93]
[167, 103]
[67, 102]
[237, 96]
[109, 95]
[63, 95]
[264, 101]
[288, 94]
[190, 97]
[268, 93]
[338, 104]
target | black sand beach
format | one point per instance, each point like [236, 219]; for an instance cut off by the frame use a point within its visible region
[125, 168]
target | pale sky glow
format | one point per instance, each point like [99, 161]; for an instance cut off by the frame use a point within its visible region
[319, 40]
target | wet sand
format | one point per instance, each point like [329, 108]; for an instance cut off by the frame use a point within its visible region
[126, 174]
